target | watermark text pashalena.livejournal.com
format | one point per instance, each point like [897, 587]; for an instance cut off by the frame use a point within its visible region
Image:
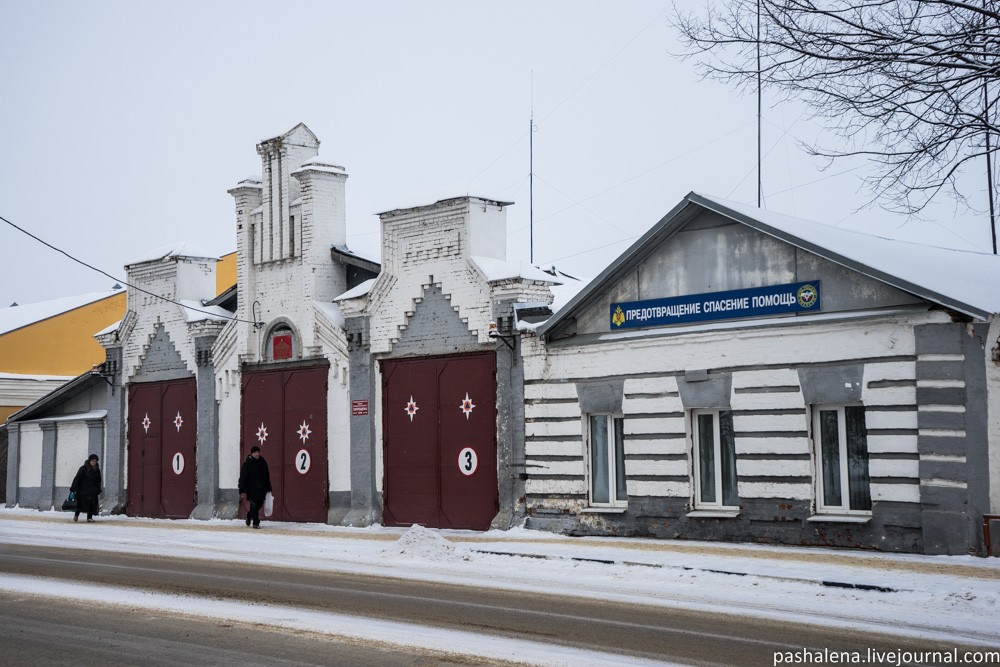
[870, 656]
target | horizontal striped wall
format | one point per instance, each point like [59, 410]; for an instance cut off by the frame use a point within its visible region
[771, 423]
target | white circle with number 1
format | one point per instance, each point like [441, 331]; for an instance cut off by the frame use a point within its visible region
[467, 461]
[302, 462]
[178, 463]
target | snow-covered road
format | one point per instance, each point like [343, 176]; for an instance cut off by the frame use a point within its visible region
[950, 600]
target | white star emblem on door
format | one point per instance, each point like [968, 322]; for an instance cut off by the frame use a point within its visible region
[304, 431]
[466, 406]
[178, 421]
[261, 433]
[411, 408]
[146, 423]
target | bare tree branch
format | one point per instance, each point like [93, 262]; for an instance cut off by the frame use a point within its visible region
[901, 82]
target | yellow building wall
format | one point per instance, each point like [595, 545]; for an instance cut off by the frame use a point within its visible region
[63, 344]
[225, 273]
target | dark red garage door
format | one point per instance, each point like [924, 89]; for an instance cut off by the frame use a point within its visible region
[439, 416]
[284, 413]
[162, 430]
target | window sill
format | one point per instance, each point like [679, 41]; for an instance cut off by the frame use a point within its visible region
[841, 518]
[713, 514]
[621, 509]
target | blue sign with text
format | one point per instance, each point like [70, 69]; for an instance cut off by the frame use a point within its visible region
[753, 302]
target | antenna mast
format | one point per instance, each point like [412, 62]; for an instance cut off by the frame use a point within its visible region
[760, 187]
[531, 174]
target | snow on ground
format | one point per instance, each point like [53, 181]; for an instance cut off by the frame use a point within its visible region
[950, 599]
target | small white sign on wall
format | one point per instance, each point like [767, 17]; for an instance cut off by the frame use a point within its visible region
[468, 461]
[302, 462]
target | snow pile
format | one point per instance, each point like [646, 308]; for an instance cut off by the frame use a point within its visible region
[421, 543]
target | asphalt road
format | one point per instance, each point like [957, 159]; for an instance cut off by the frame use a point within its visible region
[57, 634]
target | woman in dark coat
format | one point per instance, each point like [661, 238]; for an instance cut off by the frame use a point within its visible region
[255, 484]
[87, 487]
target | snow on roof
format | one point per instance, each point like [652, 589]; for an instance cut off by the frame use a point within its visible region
[964, 280]
[435, 197]
[109, 329]
[35, 378]
[498, 269]
[76, 416]
[332, 311]
[280, 135]
[959, 279]
[564, 292]
[179, 249]
[194, 311]
[358, 291]
[320, 164]
[15, 317]
[343, 249]
[249, 182]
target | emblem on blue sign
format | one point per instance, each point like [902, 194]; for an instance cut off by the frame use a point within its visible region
[807, 296]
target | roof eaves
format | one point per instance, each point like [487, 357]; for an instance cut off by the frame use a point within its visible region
[675, 217]
[53, 397]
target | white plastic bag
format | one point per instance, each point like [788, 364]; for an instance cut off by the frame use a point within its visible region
[268, 504]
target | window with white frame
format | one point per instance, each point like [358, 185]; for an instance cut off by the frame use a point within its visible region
[714, 460]
[606, 442]
[843, 484]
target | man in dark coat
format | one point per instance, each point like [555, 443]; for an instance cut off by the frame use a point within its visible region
[87, 487]
[255, 484]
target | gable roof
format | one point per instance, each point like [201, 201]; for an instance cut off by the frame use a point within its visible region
[957, 279]
[17, 317]
[75, 386]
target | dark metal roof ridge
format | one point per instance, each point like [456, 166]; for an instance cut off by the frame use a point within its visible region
[348, 256]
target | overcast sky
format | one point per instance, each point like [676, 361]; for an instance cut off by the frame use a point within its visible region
[124, 124]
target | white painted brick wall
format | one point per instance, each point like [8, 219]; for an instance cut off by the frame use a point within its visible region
[662, 446]
[834, 342]
[572, 428]
[898, 493]
[29, 460]
[764, 423]
[892, 444]
[72, 448]
[555, 448]
[772, 446]
[551, 410]
[772, 490]
[658, 489]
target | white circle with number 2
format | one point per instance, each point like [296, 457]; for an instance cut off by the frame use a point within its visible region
[178, 463]
[468, 461]
[302, 462]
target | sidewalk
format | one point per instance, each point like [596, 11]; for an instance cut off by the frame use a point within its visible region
[950, 597]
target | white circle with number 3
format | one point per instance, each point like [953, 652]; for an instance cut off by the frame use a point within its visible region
[468, 461]
[302, 462]
[178, 463]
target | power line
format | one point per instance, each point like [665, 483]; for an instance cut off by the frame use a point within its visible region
[119, 280]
